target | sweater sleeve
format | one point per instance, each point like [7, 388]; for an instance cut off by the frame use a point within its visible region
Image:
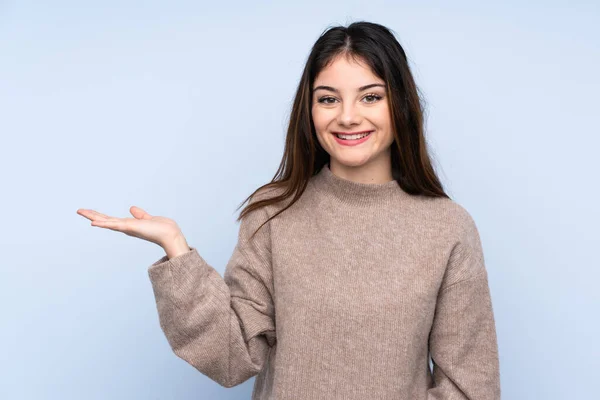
[463, 343]
[224, 327]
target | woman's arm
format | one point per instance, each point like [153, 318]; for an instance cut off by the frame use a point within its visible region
[224, 327]
[463, 343]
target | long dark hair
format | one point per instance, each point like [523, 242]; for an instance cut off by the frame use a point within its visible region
[303, 156]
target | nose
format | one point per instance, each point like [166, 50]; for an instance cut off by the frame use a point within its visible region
[349, 115]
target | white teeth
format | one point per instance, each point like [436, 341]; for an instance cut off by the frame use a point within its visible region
[352, 137]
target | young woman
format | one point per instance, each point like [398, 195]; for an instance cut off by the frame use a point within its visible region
[352, 267]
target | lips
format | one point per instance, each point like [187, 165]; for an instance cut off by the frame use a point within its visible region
[352, 142]
[350, 133]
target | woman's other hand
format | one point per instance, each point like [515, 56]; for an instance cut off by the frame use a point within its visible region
[159, 230]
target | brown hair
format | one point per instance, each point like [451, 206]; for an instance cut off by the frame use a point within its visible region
[303, 156]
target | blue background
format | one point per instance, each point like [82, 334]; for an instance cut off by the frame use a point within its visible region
[181, 108]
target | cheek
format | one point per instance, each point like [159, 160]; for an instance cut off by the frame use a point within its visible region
[318, 118]
[381, 116]
[383, 121]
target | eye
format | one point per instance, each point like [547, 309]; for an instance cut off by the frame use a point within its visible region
[373, 98]
[376, 97]
[323, 99]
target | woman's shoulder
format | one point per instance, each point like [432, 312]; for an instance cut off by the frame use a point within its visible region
[269, 192]
[266, 192]
[445, 212]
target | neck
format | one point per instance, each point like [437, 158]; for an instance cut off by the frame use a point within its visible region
[378, 170]
[357, 194]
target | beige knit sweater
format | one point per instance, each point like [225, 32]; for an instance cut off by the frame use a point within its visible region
[342, 296]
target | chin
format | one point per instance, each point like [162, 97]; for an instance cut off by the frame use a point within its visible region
[350, 163]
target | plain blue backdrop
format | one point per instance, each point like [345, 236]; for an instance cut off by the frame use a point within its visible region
[181, 107]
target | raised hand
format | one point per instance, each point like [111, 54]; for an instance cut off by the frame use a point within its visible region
[160, 230]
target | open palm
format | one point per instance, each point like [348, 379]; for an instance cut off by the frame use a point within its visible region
[155, 229]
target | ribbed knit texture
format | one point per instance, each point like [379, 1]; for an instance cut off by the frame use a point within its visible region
[342, 296]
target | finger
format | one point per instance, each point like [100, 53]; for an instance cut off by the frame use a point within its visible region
[92, 215]
[99, 215]
[114, 224]
[139, 213]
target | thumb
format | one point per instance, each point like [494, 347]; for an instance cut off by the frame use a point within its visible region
[138, 213]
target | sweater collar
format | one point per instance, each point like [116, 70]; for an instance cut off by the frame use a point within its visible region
[355, 193]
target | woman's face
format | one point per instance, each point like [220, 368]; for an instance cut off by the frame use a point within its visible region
[348, 98]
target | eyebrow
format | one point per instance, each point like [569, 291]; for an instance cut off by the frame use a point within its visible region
[360, 89]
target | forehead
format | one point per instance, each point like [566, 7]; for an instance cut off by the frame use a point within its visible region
[345, 72]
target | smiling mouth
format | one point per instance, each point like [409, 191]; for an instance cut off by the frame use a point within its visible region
[352, 136]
